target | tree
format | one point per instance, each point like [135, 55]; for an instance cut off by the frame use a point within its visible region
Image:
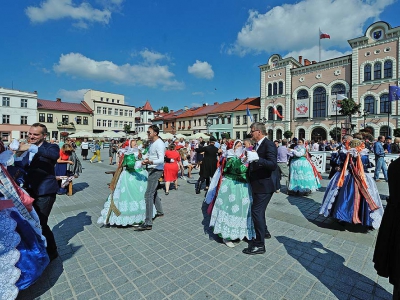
[287, 134]
[349, 107]
[335, 132]
[127, 128]
[164, 109]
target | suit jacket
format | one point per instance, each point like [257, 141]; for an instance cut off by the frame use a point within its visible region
[40, 177]
[262, 175]
[209, 162]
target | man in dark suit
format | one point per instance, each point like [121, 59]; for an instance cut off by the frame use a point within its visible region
[40, 179]
[208, 165]
[261, 172]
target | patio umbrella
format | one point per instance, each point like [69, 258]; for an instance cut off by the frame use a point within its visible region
[82, 133]
[166, 136]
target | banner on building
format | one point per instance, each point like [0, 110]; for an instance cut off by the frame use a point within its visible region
[302, 108]
[334, 105]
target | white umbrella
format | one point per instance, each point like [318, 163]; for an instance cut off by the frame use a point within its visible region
[166, 136]
[180, 135]
[83, 133]
[200, 134]
[142, 135]
[119, 134]
[107, 133]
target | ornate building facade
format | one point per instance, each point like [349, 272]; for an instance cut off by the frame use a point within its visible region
[305, 92]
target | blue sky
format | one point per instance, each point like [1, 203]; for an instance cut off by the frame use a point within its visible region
[172, 53]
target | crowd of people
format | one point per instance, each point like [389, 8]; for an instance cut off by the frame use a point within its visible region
[239, 176]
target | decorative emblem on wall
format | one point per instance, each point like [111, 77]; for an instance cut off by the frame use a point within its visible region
[318, 76]
[302, 109]
[377, 34]
[337, 72]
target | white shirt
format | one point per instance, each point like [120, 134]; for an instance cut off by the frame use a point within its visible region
[256, 145]
[156, 154]
[85, 145]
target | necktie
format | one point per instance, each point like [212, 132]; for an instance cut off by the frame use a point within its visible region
[256, 146]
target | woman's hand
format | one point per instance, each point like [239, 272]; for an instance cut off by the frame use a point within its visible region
[70, 162]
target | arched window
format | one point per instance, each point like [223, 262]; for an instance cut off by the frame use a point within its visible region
[319, 102]
[302, 133]
[275, 88]
[385, 104]
[384, 131]
[378, 70]
[278, 134]
[388, 69]
[338, 88]
[367, 72]
[270, 113]
[280, 92]
[269, 89]
[270, 134]
[279, 108]
[369, 104]
[302, 94]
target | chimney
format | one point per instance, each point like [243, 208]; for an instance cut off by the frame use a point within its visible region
[300, 59]
[171, 111]
[186, 108]
[307, 62]
[204, 104]
[314, 62]
[58, 99]
[215, 103]
[35, 92]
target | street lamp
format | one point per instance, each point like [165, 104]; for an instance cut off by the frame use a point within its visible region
[263, 120]
[364, 115]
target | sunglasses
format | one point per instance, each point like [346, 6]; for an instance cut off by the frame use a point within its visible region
[148, 132]
[251, 131]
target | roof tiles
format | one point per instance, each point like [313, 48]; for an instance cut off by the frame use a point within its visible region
[63, 106]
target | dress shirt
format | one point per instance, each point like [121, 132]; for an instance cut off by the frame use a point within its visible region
[256, 145]
[156, 154]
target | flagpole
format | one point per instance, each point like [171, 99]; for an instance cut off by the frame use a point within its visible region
[336, 108]
[389, 109]
[319, 38]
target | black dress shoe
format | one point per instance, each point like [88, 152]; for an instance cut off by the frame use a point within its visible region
[159, 215]
[143, 227]
[254, 250]
[198, 188]
[53, 255]
[267, 235]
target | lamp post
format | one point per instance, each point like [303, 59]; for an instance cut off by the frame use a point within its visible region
[364, 115]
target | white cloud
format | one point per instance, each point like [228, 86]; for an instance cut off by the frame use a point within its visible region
[72, 96]
[313, 54]
[60, 9]
[292, 27]
[201, 69]
[198, 94]
[78, 65]
[152, 56]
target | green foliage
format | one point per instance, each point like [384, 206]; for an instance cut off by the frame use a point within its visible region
[164, 109]
[335, 132]
[287, 134]
[127, 128]
[349, 107]
[77, 143]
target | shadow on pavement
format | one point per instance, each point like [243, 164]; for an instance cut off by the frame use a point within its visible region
[80, 186]
[67, 229]
[329, 268]
[206, 222]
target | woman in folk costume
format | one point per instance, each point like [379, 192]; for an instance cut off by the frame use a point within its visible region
[23, 255]
[126, 205]
[231, 214]
[303, 176]
[351, 196]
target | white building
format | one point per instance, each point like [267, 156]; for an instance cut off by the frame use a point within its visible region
[18, 113]
[109, 111]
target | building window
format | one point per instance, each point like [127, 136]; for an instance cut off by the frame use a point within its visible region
[244, 119]
[23, 135]
[237, 135]
[130, 124]
[280, 92]
[244, 134]
[126, 113]
[223, 120]
[384, 130]
[24, 120]
[302, 134]
[5, 135]
[166, 124]
[65, 119]
[319, 102]
[367, 72]
[270, 113]
[49, 118]
[378, 70]
[172, 125]
[24, 102]
[194, 122]
[121, 112]
[112, 100]
[338, 89]
[275, 88]
[280, 110]
[385, 104]
[99, 123]
[121, 124]
[270, 134]
[130, 113]
[99, 110]
[101, 98]
[237, 120]
[116, 112]
[78, 120]
[109, 111]
[302, 94]
[388, 69]
[85, 121]
[104, 110]
[109, 123]
[229, 120]
[107, 99]
[117, 101]
[6, 101]
[190, 123]
[217, 121]
[279, 134]
[369, 104]
[269, 89]
[115, 123]
[104, 123]
[6, 119]
[42, 117]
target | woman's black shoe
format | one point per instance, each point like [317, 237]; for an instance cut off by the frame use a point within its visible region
[143, 227]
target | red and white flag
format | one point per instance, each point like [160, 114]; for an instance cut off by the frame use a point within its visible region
[323, 35]
[277, 112]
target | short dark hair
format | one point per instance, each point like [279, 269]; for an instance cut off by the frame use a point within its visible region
[44, 128]
[155, 128]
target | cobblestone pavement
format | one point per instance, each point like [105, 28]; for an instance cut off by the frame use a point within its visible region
[308, 256]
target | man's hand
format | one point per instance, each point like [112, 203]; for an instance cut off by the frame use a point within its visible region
[24, 147]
